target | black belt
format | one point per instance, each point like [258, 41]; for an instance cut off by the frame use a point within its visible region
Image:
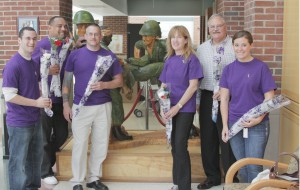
[206, 91]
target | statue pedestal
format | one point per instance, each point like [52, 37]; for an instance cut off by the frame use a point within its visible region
[144, 159]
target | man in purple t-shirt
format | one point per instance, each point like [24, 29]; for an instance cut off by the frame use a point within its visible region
[21, 92]
[55, 128]
[95, 114]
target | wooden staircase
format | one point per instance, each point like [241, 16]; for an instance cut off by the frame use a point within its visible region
[144, 159]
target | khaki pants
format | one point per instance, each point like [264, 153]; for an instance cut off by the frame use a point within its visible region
[94, 120]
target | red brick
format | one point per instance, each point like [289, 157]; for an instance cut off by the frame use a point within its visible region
[274, 37]
[274, 24]
[264, 30]
[273, 51]
[264, 17]
[264, 3]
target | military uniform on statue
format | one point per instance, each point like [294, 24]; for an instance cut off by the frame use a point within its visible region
[117, 115]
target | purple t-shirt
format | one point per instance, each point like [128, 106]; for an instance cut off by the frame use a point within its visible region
[82, 63]
[45, 44]
[247, 82]
[178, 72]
[21, 74]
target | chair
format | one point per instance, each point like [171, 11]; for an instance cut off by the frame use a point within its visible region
[270, 183]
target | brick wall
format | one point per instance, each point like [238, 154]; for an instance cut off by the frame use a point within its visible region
[233, 12]
[118, 24]
[264, 19]
[10, 10]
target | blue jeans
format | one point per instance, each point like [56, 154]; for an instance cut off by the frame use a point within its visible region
[254, 146]
[25, 157]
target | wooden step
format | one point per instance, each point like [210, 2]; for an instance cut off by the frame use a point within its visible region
[147, 158]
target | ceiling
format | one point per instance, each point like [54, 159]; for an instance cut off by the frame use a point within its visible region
[96, 7]
[143, 7]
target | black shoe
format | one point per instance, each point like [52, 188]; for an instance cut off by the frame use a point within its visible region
[207, 184]
[77, 187]
[119, 134]
[97, 185]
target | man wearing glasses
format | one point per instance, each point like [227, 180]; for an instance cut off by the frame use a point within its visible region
[213, 55]
[94, 119]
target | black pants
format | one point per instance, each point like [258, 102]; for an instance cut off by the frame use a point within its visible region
[181, 126]
[211, 140]
[55, 133]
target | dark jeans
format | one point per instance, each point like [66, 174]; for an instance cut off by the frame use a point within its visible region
[181, 126]
[55, 133]
[25, 150]
[211, 141]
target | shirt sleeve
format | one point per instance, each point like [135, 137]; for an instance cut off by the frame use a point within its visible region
[162, 76]
[10, 76]
[224, 78]
[70, 62]
[195, 69]
[267, 81]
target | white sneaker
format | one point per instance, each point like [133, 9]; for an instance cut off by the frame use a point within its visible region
[51, 180]
[175, 187]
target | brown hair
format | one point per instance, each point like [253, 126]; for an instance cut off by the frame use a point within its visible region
[241, 34]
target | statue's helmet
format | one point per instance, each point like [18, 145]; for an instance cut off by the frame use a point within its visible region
[150, 28]
[83, 17]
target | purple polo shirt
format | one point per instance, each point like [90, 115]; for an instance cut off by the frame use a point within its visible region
[247, 83]
[82, 63]
[178, 72]
[45, 44]
[21, 74]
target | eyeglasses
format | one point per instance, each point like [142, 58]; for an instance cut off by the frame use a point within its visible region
[216, 26]
[93, 34]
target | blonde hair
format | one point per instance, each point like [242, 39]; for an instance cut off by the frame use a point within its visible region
[188, 48]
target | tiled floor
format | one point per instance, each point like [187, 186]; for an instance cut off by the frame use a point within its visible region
[133, 123]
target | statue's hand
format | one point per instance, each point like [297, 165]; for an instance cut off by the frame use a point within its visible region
[140, 62]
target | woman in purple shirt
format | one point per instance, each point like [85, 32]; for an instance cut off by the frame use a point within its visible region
[246, 83]
[182, 70]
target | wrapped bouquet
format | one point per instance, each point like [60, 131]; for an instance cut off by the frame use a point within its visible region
[44, 70]
[56, 58]
[165, 104]
[277, 102]
[217, 72]
[103, 63]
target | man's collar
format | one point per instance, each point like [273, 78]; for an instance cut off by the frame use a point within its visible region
[222, 42]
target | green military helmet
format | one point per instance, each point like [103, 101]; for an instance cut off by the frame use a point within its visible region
[83, 17]
[150, 28]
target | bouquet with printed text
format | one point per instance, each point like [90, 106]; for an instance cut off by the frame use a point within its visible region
[277, 102]
[103, 63]
[44, 70]
[165, 104]
[56, 58]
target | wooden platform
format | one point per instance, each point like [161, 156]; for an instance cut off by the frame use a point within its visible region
[144, 159]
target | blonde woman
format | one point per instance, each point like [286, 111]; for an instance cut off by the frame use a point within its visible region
[182, 72]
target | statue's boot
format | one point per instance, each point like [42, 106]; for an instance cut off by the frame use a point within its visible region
[194, 132]
[119, 134]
